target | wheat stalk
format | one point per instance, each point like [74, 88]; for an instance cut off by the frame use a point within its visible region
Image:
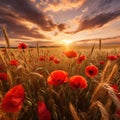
[108, 104]
[105, 115]
[73, 112]
[114, 70]
[9, 57]
[10, 77]
[100, 44]
[6, 37]
[36, 74]
[92, 49]
[97, 92]
[3, 60]
[105, 71]
[112, 95]
[38, 49]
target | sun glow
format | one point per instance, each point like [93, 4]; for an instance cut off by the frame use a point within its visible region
[67, 43]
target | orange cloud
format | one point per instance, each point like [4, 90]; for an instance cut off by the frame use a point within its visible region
[63, 5]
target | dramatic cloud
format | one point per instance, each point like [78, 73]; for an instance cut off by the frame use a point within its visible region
[15, 25]
[96, 22]
[28, 11]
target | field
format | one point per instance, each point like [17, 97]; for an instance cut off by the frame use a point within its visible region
[55, 84]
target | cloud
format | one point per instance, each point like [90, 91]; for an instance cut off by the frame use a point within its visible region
[61, 5]
[15, 26]
[61, 27]
[22, 19]
[96, 22]
[25, 9]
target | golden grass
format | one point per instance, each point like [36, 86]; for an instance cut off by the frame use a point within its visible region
[97, 102]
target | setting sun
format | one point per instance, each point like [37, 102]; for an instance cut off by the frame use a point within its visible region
[67, 42]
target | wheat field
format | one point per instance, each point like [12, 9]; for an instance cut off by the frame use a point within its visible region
[55, 84]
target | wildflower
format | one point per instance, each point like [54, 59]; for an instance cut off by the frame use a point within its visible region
[3, 76]
[13, 100]
[57, 77]
[43, 112]
[70, 54]
[3, 50]
[78, 82]
[81, 58]
[115, 87]
[42, 58]
[112, 57]
[56, 60]
[91, 71]
[51, 58]
[22, 46]
[102, 62]
[116, 90]
[14, 62]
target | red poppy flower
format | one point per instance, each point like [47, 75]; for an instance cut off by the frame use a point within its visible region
[81, 58]
[3, 50]
[13, 100]
[112, 57]
[57, 77]
[102, 62]
[3, 76]
[42, 58]
[56, 60]
[43, 112]
[115, 87]
[70, 54]
[78, 82]
[14, 62]
[22, 46]
[91, 71]
[51, 58]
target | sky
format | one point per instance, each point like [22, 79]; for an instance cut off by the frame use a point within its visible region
[50, 22]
